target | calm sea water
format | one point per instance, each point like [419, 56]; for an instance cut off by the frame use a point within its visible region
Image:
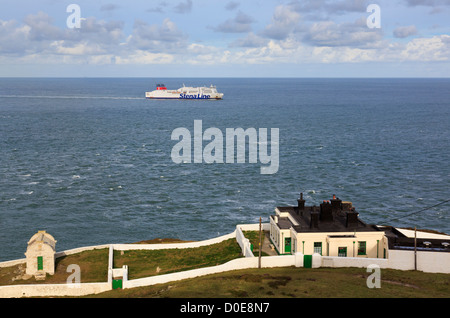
[89, 160]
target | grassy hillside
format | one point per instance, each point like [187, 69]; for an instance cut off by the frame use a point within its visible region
[291, 282]
[144, 263]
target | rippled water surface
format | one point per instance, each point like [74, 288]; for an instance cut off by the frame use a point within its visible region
[89, 160]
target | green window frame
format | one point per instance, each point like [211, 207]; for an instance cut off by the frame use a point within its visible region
[318, 247]
[362, 248]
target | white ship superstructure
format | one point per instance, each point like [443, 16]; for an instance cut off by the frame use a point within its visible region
[184, 92]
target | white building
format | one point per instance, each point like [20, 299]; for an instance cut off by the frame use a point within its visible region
[40, 255]
[331, 229]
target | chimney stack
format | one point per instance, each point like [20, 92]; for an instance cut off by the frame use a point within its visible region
[336, 205]
[352, 218]
[314, 222]
[326, 211]
[301, 204]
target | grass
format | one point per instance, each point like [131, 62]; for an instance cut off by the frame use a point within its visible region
[141, 263]
[93, 267]
[144, 263]
[253, 237]
[291, 282]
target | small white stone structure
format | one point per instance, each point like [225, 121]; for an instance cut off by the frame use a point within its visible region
[40, 255]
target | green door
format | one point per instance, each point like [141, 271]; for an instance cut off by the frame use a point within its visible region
[287, 245]
[342, 251]
[307, 261]
[40, 263]
[117, 283]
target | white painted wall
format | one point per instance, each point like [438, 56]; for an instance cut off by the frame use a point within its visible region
[236, 264]
[125, 247]
[51, 290]
[430, 262]
[433, 262]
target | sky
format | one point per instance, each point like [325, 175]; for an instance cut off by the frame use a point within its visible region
[211, 38]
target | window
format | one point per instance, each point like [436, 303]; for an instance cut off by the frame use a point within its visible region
[318, 247]
[342, 251]
[361, 248]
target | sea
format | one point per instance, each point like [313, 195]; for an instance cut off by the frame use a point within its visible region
[89, 160]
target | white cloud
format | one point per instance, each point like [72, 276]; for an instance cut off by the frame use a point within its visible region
[251, 40]
[41, 27]
[145, 57]
[241, 23]
[355, 34]
[287, 38]
[13, 38]
[430, 3]
[183, 7]
[405, 31]
[321, 9]
[231, 5]
[157, 38]
[436, 48]
[108, 7]
[284, 21]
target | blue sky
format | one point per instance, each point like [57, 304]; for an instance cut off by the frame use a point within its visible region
[210, 38]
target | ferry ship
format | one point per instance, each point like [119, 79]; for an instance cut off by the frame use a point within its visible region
[184, 92]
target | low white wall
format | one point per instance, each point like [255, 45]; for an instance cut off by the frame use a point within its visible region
[429, 262]
[398, 259]
[244, 243]
[254, 227]
[52, 290]
[125, 247]
[279, 261]
[335, 261]
[80, 249]
[403, 260]
[161, 279]
[433, 262]
[240, 263]
[13, 262]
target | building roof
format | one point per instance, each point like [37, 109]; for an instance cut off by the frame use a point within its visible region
[42, 237]
[337, 216]
[333, 215]
[397, 240]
